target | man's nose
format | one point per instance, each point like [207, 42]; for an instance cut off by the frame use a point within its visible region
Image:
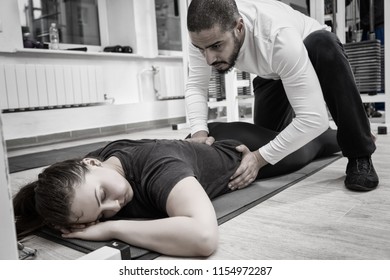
[210, 56]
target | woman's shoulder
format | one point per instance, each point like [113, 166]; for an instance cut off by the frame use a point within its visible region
[118, 146]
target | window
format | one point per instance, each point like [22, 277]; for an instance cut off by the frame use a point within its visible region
[168, 25]
[77, 20]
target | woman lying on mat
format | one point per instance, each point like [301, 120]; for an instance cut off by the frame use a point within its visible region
[165, 184]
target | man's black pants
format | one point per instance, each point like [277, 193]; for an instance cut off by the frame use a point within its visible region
[272, 109]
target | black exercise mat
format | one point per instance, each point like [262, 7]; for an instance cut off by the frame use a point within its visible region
[40, 159]
[86, 246]
[233, 204]
[227, 206]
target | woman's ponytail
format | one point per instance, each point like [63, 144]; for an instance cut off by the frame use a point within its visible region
[27, 218]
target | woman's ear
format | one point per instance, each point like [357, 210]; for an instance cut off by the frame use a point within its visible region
[91, 162]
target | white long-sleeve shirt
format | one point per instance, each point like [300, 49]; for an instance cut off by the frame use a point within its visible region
[272, 49]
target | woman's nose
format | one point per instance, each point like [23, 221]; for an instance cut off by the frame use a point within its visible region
[111, 205]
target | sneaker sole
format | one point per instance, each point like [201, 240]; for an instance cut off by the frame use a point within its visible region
[360, 188]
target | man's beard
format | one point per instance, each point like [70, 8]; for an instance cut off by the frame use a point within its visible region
[231, 60]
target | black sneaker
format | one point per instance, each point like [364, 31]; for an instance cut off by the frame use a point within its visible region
[361, 175]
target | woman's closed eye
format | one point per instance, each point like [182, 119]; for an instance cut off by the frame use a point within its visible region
[102, 198]
[103, 195]
[101, 216]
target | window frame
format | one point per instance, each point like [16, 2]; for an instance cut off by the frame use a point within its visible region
[103, 31]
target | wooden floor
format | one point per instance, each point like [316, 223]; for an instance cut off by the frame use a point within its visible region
[315, 219]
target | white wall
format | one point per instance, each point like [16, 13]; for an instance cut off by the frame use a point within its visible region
[7, 233]
[127, 79]
[46, 122]
[11, 34]
[133, 23]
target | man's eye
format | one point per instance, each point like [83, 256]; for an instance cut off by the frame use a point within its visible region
[217, 46]
[103, 196]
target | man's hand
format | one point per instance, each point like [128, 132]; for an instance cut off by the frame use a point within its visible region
[250, 165]
[202, 137]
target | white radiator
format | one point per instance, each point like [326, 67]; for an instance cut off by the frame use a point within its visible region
[29, 86]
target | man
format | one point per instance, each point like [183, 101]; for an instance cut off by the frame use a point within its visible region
[301, 67]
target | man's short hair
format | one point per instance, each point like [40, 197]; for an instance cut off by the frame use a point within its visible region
[205, 14]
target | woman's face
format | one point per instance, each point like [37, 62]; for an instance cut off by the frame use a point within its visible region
[104, 192]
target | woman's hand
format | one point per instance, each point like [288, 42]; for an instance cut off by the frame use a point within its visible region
[74, 227]
[246, 173]
[97, 231]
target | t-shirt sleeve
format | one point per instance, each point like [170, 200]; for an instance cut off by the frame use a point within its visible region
[161, 175]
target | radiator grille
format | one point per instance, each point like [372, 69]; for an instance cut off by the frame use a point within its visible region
[30, 87]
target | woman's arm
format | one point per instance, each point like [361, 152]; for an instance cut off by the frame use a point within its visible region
[191, 229]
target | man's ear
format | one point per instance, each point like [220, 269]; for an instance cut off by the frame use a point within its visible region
[240, 25]
[91, 162]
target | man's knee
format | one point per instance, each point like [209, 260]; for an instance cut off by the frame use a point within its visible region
[323, 42]
[324, 46]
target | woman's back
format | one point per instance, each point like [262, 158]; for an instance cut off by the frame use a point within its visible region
[154, 167]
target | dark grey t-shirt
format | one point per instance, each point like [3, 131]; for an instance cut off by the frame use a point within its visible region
[154, 167]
